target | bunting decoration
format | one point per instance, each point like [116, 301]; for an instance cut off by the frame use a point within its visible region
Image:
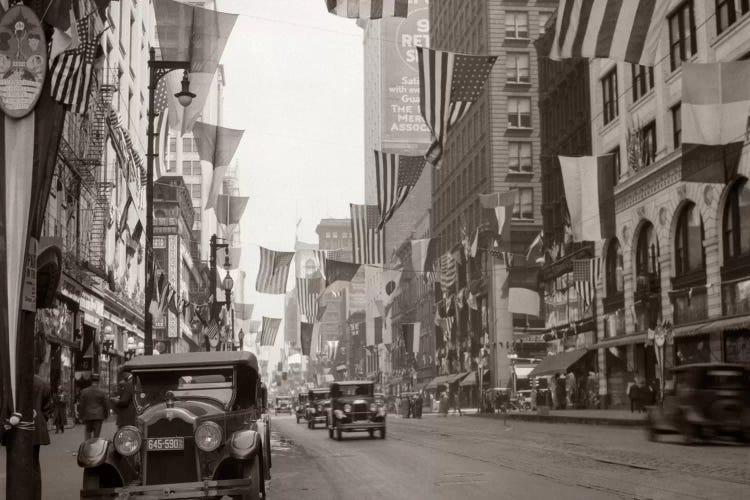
[273, 271]
[396, 175]
[502, 206]
[368, 244]
[269, 330]
[340, 271]
[217, 146]
[449, 83]
[243, 312]
[536, 249]
[368, 9]
[589, 192]
[423, 254]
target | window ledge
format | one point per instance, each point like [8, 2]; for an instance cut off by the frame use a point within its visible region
[520, 172]
[518, 84]
[609, 126]
[521, 129]
[645, 98]
[678, 71]
[742, 21]
[517, 39]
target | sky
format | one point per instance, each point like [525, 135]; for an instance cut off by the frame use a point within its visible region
[294, 82]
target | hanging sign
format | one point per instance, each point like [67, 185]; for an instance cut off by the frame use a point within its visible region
[23, 61]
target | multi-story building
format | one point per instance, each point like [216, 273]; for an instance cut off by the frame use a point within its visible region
[335, 235]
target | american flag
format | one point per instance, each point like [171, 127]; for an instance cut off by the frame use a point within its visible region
[396, 175]
[448, 273]
[212, 330]
[161, 108]
[449, 83]
[368, 244]
[308, 291]
[269, 330]
[273, 271]
[368, 9]
[71, 71]
[586, 274]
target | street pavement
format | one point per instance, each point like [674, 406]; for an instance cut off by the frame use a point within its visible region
[467, 457]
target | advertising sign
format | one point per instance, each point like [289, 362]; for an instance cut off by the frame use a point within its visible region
[23, 61]
[404, 129]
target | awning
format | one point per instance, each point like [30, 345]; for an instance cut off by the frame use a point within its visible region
[621, 340]
[471, 379]
[712, 326]
[432, 384]
[522, 371]
[445, 380]
[558, 363]
[452, 379]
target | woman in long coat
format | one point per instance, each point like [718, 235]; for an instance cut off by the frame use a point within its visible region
[61, 409]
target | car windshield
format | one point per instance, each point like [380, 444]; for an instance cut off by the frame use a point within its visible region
[302, 398]
[215, 383]
[283, 401]
[318, 396]
[352, 390]
[724, 379]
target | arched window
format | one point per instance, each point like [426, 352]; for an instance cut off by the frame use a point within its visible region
[614, 267]
[688, 244]
[647, 251]
[737, 221]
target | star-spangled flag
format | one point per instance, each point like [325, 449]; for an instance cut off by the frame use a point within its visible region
[269, 330]
[396, 175]
[368, 9]
[71, 71]
[308, 291]
[368, 244]
[586, 273]
[449, 83]
[273, 271]
[448, 273]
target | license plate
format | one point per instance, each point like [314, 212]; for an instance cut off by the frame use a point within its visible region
[167, 443]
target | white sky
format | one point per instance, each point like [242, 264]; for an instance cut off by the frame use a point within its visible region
[295, 84]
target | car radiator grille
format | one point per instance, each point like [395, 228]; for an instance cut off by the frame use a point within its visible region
[361, 411]
[171, 466]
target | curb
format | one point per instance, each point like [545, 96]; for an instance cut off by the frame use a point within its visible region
[549, 419]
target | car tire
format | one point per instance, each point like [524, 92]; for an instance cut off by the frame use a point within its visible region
[690, 433]
[371, 433]
[382, 433]
[338, 433]
[297, 419]
[252, 470]
[330, 432]
[90, 480]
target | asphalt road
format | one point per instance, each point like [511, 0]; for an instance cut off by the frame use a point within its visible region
[466, 458]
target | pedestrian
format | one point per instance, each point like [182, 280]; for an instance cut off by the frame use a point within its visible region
[630, 391]
[93, 407]
[454, 403]
[60, 410]
[498, 402]
[123, 402]
[418, 401]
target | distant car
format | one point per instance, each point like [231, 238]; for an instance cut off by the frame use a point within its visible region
[317, 408]
[199, 432]
[353, 409]
[708, 400]
[283, 405]
[300, 407]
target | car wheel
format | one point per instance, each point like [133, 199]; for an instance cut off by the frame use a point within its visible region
[252, 470]
[338, 433]
[298, 419]
[382, 433]
[330, 432]
[651, 433]
[309, 425]
[90, 480]
[690, 433]
[371, 433]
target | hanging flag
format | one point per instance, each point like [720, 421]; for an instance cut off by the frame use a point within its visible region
[156, 287]
[523, 290]
[502, 206]
[273, 272]
[71, 71]
[586, 274]
[308, 291]
[229, 209]
[423, 254]
[589, 192]
[368, 244]
[340, 271]
[305, 337]
[411, 333]
[536, 248]
[395, 176]
[368, 9]
[269, 330]
[378, 327]
[391, 280]
[242, 311]
[610, 29]
[472, 301]
[449, 83]
[474, 245]
[217, 146]
[448, 274]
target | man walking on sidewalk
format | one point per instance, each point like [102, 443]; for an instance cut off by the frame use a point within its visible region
[92, 404]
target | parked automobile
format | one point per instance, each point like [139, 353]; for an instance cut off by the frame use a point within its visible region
[199, 432]
[300, 408]
[353, 409]
[283, 405]
[708, 400]
[317, 409]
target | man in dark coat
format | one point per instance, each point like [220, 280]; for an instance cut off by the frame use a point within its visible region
[123, 403]
[92, 404]
[42, 412]
[418, 402]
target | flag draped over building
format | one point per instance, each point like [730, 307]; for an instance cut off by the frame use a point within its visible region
[368, 9]
[586, 274]
[273, 271]
[411, 333]
[449, 83]
[308, 292]
[71, 71]
[589, 192]
[523, 290]
[305, 337]
[269, 330]
[612, 29]
[395, 175]
[368, 244]
[217, 146]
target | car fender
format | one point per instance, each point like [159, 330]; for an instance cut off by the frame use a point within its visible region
[245, 444]
[93, 452]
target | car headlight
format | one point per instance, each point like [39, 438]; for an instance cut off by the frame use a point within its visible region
[338, 413]
[208, 436]
[320, 408]
[347, 408]
[373, 407]
[127, 440]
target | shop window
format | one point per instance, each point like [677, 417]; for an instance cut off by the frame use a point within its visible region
[682, 41]
[690, 350]
[737, 221]
[737, 346]
[688, 247]
[609, 96]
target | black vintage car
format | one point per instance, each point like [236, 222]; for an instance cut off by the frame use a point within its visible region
[353, 409]
[300, 408]
[317, 408]
[199, 432]
[708, 400]
[283, 405]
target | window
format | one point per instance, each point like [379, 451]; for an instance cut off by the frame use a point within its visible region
[172, 144]
[614, 268]
[172, 166]
[677, 125]
[725, 14]
[643, 80]
[543, 18]
[616, 167]
[197, 212]
[688, 244]
[737, 221]
[647, 251]
[518, 68]
[682, 42]
[519, 112]
[519, 157]
[191, 167]
[335, 234]
[609, 96]
[516, 25]
[195, 191]
[648, 143]
[328, 234]
[187, 144]
[524, 205]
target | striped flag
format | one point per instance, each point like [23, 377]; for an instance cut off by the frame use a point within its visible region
[269, 330]
[448, 273]
[589, 193]
[586, 273]
[368, 244]
[368, 9]
[448, 83]
[411, 332]
[161, 108]
[611, 29]
[396, 175]
[71, 71]
[308, 291]
[273, 271]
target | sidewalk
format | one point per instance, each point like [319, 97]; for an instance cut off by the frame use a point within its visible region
[595, 417]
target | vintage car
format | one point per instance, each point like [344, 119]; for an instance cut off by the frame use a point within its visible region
[317, 409]
[283, 405]
[300, 409]
[381, 400]
[708, 400]
[199, 432]
[353, 409]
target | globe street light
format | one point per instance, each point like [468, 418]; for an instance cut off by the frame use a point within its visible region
[228, 284]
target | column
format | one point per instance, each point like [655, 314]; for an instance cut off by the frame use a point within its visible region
[501, 324]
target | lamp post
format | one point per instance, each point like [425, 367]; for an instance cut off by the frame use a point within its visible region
[131, 348]
[228, 284]
[108, 344]
[157, 69]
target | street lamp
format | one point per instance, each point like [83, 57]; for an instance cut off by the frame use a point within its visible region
[131, 348]
[108, 343]
[228, 284]
[157, 69]
[241, 336]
